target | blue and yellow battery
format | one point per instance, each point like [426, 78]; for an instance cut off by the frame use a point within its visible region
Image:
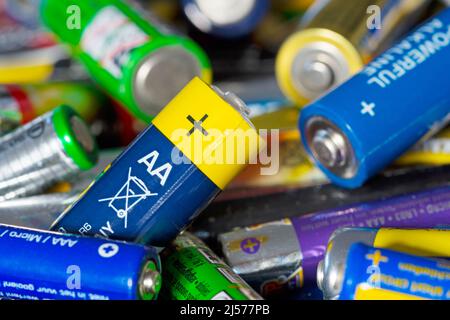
[341, 130]
[225, 18]
[381, 274]
[199, 142]
[336, 39]
[420, 242]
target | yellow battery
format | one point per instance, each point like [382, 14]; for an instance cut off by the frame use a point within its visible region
[420, 242]
[335, 40]
[212, 130]
[434, 151]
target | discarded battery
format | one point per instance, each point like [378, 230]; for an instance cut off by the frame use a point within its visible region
[337, 38]
[135, 60]
[169, 174]
[365, 124]
[225, 18]
[192, 271]
[284, 255]
[46, 265]
[381, 274]
[421, 242]
[47, 150]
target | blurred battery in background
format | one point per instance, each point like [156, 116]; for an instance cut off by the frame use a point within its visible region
[136, 60]
[336, 40]
[47, 150]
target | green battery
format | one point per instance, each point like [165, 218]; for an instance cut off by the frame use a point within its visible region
[139, 61]
[192, 271]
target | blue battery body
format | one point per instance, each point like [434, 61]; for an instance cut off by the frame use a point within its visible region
[235, 30]
[393, 273]
[144, 196]
[40, 265]
[395, 101]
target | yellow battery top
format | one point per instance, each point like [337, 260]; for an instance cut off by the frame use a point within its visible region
[209, 128]
[423, 242]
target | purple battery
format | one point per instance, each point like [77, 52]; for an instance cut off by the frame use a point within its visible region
[284, 254]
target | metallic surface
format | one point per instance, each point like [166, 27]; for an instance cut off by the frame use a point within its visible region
[170, 64]
[268, 256]
[32, 158]
[330, 271]
[35, 212]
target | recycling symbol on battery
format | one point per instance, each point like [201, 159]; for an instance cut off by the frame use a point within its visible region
[129, 196]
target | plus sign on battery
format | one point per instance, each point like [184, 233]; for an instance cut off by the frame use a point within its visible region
[368, 108]
[197, 125]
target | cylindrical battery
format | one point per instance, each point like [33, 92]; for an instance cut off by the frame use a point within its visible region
[283, 255]
[366, 123]
[20, 104]
[46, 265]
[421, 242]
[336, 39]
[49, 149]
[170, 173]
[134, 59]
[35, 212]
[192, 271]
[380, 274]
[225, 18]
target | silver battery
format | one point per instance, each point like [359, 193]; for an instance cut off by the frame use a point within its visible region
[267, 256]
[330, 272]
[33, 158]
[37, 212]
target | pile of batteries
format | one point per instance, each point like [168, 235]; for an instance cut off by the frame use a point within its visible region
[114, 147]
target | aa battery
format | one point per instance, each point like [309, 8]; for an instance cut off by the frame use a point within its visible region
[37, 212]
[284, 254]
[45, 265]
[192, 271]
[336, 39]
[135, 60]
[338, 129]
[381, 274]
[166, 177]
[47, 150]
[224, 18]
[421, 242]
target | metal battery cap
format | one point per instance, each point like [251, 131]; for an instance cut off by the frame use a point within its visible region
[331, 147]
[312, 61]
[207, 13]
[161, 75]
[76, 138]
[150, 281]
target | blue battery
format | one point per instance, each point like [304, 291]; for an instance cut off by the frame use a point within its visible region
[381, 274]
[158, 185]
[38, 265]
[225, 18]
[360, 127]
[127, 202]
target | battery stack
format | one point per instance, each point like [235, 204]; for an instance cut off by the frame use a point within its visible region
[224, 150]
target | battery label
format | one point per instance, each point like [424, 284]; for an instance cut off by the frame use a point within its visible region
[193, 273]
[426, 210]
[110, 38]
[47, 265]
[379, 273]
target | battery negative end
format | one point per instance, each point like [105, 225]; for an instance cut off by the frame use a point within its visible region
[161, 75]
